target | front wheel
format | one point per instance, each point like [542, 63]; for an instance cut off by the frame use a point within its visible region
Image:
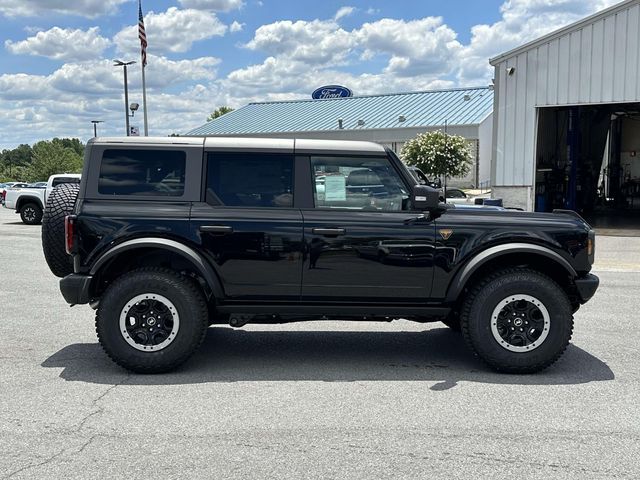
[151, 320]
[517, 320]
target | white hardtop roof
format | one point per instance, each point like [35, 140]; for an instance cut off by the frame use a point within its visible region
[148, 140]
[300, 145]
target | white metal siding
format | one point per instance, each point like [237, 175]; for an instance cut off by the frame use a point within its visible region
[596, 62]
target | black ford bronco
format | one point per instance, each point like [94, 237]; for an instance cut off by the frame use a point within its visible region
[164, 237]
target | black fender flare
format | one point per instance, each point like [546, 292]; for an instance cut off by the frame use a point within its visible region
[188, 253]
[460, 279]
[22, 200]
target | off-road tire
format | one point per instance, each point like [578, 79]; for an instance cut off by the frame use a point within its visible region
[190, 304]
[484, 297]
[60, 203]
[31, 213]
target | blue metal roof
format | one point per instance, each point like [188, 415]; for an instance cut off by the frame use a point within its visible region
[461, 106]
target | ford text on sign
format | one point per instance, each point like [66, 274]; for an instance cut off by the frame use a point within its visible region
[331, 91]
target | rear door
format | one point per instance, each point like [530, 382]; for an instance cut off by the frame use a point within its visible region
[248, 225]
[362, 240]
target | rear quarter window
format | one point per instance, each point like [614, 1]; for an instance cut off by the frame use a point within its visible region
[154, 173]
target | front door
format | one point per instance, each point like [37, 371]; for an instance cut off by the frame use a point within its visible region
[362, 242]
[248, 227]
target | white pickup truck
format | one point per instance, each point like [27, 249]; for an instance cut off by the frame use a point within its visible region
[30, 202]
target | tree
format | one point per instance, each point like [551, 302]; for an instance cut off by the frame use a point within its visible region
[51, 157]
[438, 154]
[218, 112]
[13, 159]
[73, 143]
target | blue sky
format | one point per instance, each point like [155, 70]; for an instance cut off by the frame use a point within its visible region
[56, 73]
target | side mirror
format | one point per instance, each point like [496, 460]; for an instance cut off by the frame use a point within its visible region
[425, 198]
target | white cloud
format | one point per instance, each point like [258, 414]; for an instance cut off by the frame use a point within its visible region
[343, 12]
[424, 46]
[236, 27]
[417, 54]
[64, 102]
[98, 78]
[522, 21]
[20, 86]
[62, 44]
[318, 42]
[42, 8]
[172, 31]
[279, 78]
[214, 5]
[162, 72]
[416, 47]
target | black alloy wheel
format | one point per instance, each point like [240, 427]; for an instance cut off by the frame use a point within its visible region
[517, 320]
[152, 319]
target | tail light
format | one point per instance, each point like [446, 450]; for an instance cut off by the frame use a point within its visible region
[70, 234]
[591, 246]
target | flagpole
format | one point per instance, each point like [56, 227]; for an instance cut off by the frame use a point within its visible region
[144, 102]
[142, 35]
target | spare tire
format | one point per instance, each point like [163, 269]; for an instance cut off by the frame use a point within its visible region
[59, 204]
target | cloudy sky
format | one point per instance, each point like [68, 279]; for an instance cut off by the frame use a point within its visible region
[56, 70]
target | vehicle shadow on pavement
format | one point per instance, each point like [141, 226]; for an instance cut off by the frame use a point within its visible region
[228, 355]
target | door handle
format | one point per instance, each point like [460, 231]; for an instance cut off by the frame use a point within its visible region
[219, 229]
[328, 232]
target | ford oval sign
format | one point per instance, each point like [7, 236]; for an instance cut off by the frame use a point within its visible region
[331, 91]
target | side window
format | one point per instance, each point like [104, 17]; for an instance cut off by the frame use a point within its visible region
[142, 172]
[358, 183]
[421, 177]
[250, 179]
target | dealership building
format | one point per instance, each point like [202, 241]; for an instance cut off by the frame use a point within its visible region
[389, 119]
[567, 117]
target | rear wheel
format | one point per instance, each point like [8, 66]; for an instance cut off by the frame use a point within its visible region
[31, 214]
[517, 320]
[151, 320]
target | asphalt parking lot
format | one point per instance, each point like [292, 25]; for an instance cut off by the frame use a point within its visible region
[316, 399]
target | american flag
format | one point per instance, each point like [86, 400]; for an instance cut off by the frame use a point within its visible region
[142, 35]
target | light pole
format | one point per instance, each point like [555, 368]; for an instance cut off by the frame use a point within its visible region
[95, 126]
[120, 63]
